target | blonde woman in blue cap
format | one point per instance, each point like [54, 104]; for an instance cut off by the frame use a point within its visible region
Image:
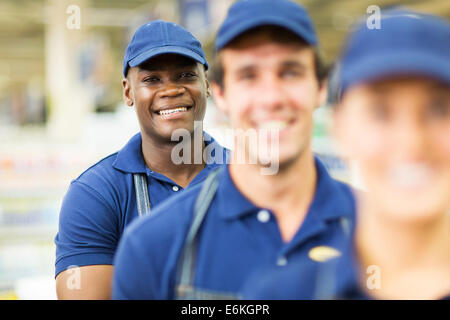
[393, 120]
[164, 80]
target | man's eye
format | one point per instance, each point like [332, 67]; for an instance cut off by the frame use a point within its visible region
[151, 79]
[187, 75]
[246, 76]
[290, 74]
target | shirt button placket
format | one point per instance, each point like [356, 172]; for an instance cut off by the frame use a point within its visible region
[282, 261]
[263, 216]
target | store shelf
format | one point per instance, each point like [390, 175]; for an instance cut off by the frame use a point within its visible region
[18, 234]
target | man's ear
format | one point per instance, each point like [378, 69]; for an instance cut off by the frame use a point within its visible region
[219, 97]
[127, 98]
[208, 88]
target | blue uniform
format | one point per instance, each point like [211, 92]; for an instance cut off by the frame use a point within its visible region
[338, 278]
[333, 279]
[102, 201]
[234, 240]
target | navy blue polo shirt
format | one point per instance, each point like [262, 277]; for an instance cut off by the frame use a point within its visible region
[236, 239]
[332, 279]
[338, 278]
[102, 201]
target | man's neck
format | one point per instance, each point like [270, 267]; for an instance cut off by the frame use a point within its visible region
[158, 157]
[288, 193]
[413, 258]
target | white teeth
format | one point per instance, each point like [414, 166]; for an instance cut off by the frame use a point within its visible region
[273, 124]
[410, 175]
[170, 111]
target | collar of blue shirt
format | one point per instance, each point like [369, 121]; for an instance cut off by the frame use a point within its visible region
[130, 159]
[328, 193]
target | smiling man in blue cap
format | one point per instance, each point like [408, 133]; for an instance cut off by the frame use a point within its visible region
[164, 71]
[205, 243]
[393, 120]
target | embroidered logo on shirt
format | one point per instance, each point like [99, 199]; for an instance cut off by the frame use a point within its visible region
[323, 253]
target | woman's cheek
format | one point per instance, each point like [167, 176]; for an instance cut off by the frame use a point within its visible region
[441, 140]
[366, 141]
[374, 144]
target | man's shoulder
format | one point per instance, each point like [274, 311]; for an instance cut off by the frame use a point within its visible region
[345, 187]
[102, 180]
[102, 175]
[339, 185]
[344, 197]
[339, 194]
[98, 169]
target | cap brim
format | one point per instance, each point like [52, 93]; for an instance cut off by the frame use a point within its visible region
[262, 20]
[164, 50]
[379, 66]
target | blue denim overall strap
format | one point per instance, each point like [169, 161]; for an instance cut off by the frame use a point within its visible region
[186, 267]
[141, 190]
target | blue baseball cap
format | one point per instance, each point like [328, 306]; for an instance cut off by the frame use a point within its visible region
[160, 37]
[407, 43]
[244, 15]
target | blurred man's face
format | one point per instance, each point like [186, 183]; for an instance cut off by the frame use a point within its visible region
[270, 85]
[398, 131]
[169, 92]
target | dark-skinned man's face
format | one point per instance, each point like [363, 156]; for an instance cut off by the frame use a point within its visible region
[169, 92]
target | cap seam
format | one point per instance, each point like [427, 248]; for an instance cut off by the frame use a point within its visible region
[167, 45]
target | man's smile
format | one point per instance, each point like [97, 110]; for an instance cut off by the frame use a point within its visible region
[173, 111]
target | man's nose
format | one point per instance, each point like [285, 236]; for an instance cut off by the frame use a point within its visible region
[170, 90]
[411, 137]
[270, 95]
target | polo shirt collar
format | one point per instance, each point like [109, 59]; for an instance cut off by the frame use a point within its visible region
[232, 204]
[130, 159]
[332, 199]
[328, 194]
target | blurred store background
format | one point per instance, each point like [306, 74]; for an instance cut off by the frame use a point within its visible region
[61, 106]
